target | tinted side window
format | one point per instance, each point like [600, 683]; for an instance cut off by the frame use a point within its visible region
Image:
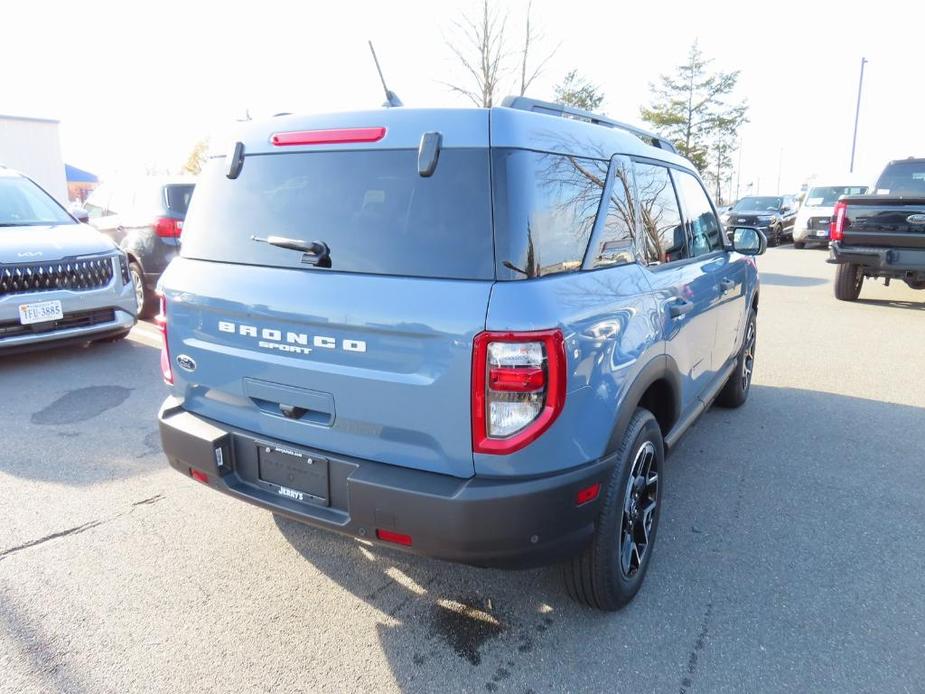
[706, 236]
[617, 242]
[545, 207]
[665, 239]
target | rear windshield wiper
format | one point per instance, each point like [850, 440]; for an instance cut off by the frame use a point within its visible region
[315, 252]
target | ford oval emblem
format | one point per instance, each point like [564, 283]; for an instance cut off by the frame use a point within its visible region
[916, 219]
[185, 362]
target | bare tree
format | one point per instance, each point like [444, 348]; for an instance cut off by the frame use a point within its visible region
[479, 44]
[532, 37]
[197, 158]
[481, 53]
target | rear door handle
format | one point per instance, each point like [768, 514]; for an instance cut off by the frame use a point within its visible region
[727, 285]
[680, 307]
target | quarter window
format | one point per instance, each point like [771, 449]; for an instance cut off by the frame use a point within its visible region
[665, 239]
[706, 236]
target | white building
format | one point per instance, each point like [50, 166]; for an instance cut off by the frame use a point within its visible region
[32, 146]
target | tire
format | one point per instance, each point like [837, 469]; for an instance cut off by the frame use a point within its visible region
[848, 281]
[604, 576]
[799, 245]
[144, 299]
[735, 392]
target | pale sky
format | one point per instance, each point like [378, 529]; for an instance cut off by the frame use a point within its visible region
[136, 84]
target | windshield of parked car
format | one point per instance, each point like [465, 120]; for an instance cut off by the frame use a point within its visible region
[903, 178]
[22, 203]
[826, 196]
[758, 204]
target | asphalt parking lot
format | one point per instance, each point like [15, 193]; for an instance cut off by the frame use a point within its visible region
[790, 557]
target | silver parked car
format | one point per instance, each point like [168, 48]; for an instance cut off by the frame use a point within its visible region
[60, 280]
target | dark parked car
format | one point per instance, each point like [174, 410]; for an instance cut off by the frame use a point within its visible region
[145, 218]
[772, 214]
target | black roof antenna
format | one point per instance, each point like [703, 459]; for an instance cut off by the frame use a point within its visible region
[391, 98]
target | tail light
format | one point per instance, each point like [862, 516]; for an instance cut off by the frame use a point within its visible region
[168, 227]
[837, 227]
[518, 388]
[161, 320]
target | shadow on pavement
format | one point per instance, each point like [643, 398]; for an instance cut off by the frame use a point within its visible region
[81, 416]
[895, 303]
[742, 502]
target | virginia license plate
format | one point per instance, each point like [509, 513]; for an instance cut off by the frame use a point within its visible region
[40, 312]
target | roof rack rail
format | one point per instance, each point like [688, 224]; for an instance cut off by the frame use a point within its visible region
[524, 103]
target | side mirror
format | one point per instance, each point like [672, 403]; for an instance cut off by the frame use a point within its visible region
[748, 241]
[81, 215]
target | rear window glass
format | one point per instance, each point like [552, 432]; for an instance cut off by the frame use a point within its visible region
[545, 207]
[903, 178]
[826, 196]
[371, 208]
[178, 197]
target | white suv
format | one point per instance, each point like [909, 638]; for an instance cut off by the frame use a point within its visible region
[812, 223]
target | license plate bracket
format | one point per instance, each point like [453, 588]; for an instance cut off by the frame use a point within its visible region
[293, 474]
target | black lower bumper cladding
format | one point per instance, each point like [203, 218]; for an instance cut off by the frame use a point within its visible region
[508, 523]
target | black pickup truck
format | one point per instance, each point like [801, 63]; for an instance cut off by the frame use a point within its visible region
[881, 235]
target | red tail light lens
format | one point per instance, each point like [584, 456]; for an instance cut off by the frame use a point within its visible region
[168, 227]
[161, 321]
[518, 388]
[198, 475]
[327, 137]
[837, 227]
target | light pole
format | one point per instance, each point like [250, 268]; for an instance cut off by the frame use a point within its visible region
[857, 113]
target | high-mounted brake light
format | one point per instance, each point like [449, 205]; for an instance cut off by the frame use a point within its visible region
[168, 227]
[837, 227]
[161, 320]
[328, 137]
[518, 388]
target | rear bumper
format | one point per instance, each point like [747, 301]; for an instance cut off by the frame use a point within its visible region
[903, 263]
[485, 522]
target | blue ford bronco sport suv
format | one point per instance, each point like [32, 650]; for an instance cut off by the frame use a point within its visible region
[470, 333]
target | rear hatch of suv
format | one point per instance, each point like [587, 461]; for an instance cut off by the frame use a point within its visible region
[370, 357]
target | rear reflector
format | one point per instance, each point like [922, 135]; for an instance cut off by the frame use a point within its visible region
[396, 538]
[327, 137]
[588, 494]
[199, 476]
